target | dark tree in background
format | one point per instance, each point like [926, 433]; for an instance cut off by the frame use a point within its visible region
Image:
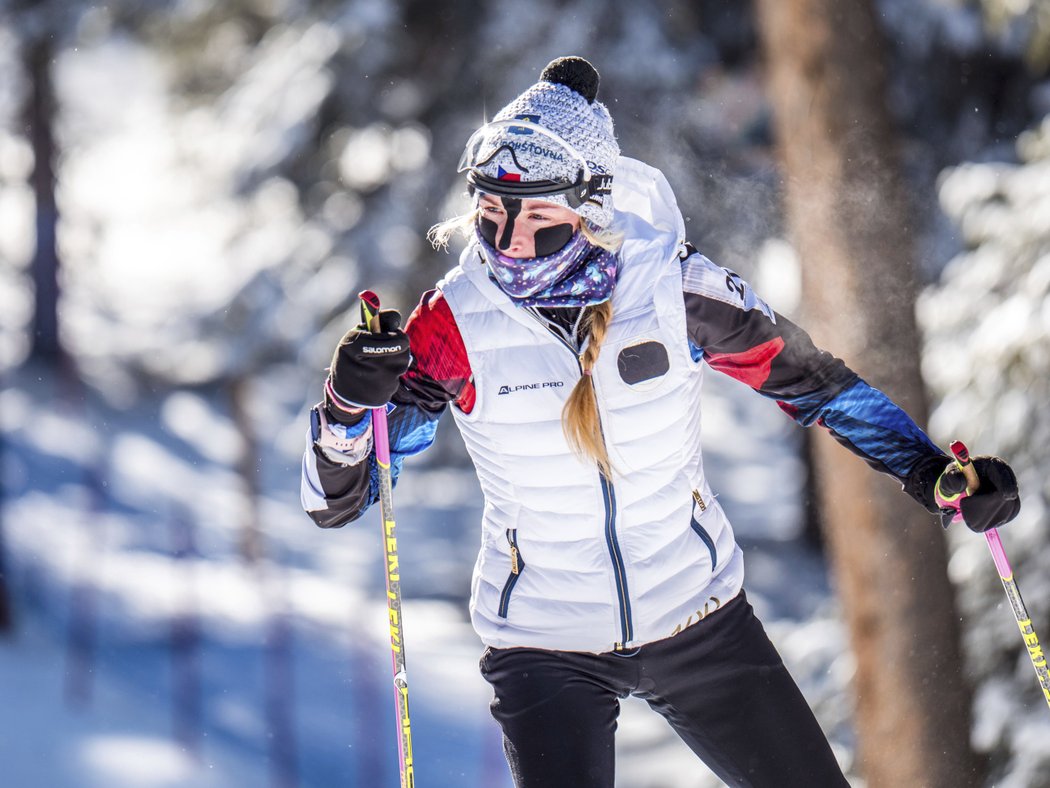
[43, 29]
[851, 224]
[39, 121]
[38, 114]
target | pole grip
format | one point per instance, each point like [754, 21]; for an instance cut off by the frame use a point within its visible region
[962, 460]
[370, 317]
[370, 310]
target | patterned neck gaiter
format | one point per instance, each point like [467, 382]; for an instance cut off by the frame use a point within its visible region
[578, 274]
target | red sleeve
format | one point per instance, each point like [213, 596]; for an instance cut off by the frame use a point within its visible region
[439, 357]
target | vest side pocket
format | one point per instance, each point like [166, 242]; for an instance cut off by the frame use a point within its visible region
[701, 507]
[517, 564]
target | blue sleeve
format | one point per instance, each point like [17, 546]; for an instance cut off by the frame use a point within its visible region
[411, 430]
[868, 423]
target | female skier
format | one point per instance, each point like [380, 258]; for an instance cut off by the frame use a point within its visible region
[570, 341]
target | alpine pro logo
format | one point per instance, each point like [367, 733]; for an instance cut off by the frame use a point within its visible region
[550, 384]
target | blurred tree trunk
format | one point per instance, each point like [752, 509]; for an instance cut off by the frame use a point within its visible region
[849, 218]
[39, 117]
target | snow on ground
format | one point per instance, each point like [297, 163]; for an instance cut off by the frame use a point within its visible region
[147, 654]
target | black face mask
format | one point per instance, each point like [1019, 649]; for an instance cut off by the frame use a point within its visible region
[548, 240]
[513, 209]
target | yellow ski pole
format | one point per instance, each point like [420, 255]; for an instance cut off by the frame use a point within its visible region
[381, 438]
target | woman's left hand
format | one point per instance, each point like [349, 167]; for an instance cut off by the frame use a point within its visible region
[994, 503]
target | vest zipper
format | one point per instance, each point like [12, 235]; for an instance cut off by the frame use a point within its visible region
[619, 570]
[517, 563]
[705, 537]
[611, 540]
[699, 500]
[702, 532]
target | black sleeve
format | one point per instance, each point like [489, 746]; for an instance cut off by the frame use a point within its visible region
[737, 333]
[346, 491]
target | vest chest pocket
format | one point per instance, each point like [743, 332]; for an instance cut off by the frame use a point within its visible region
[517, 565]
[695, 522]
[634, 372]
[643, 363]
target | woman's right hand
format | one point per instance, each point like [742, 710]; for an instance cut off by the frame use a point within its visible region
[366, 368]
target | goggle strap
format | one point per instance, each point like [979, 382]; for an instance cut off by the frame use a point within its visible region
[576, 194]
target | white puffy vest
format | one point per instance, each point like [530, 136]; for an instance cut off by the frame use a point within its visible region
[569, 560]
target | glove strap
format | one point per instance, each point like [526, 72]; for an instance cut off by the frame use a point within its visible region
[342, 444]
[946, 501]
[351, 408]
[951, 503]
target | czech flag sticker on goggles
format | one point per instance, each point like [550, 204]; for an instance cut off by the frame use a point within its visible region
[490, 141]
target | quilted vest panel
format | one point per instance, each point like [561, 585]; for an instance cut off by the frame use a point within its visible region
[570, 560]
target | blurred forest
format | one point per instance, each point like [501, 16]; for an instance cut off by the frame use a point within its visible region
[192, 194]
[308, 144]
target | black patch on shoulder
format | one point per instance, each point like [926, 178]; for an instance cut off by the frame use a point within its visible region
[644, 361]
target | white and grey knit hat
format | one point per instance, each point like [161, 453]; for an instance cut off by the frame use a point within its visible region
[553, 142]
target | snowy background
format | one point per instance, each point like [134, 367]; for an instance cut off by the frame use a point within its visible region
[231, 174]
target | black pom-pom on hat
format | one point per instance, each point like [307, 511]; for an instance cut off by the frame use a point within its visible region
[575, 73]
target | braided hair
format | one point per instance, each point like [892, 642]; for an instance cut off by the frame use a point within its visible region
[579, 417]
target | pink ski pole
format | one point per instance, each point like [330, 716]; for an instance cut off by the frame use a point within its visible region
[370, 317]
[1006, 574]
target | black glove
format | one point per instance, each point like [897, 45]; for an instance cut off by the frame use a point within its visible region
[995, 502]
[366, 368]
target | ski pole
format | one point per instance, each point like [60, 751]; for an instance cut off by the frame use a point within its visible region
[1006, 574]
[370, 317]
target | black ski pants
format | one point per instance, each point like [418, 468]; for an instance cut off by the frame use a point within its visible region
[720, 683]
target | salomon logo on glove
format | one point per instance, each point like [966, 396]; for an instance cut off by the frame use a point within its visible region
[381, 350]
[366, 368]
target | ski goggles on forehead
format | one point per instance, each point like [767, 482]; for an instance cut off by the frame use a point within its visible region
[514, 138]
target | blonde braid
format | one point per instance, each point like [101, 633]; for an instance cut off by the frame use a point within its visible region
[579, 417]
